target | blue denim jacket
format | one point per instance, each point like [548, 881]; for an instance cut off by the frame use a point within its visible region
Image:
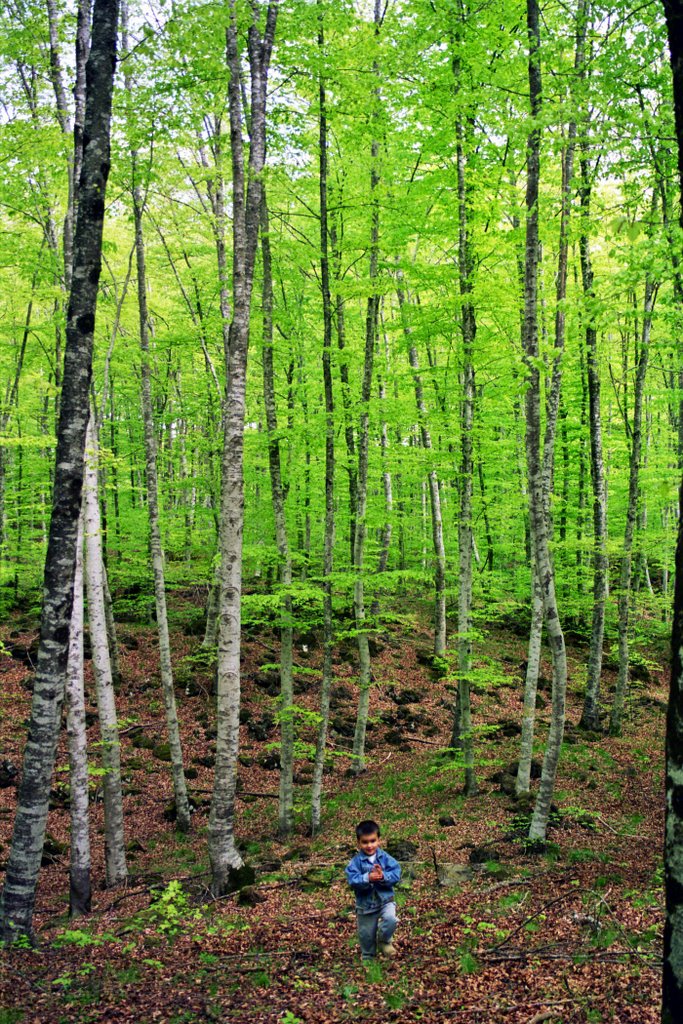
[371, 896]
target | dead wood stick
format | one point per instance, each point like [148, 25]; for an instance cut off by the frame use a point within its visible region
[551, 903]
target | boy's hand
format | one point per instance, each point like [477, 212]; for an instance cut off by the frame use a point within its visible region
[376, 875]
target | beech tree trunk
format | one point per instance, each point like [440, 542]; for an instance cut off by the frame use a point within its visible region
[539, 532]
[29, 827]
[286, 795]
[635, 437]
[433, 483]
[79, 869]
[590, 718]
[328, 544]
[371, 319]
[246, 203]
[115, 853]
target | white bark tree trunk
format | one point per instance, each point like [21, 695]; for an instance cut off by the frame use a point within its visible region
[115, 853]
[79, 870]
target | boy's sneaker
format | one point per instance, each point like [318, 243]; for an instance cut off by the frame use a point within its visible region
[388, 948]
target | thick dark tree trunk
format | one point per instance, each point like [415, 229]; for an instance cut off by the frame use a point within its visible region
[672, 987]
[29, 828]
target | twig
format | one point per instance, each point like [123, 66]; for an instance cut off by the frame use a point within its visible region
[504, 885]
[510, 1008]
[602, 821]
[551, 903]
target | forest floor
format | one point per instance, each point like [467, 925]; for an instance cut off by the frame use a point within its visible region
[571, 935]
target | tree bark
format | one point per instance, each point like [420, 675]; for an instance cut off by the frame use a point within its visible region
[432, 480]
[29, 828]
[590, 718]
[328, 543]
[371, 320]
[223, 852]
[635, 438]
[115, 854]
[286, 796]
[539, 533]
[79, 869]
[672, 979]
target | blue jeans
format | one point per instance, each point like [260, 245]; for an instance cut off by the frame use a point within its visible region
[376, 928]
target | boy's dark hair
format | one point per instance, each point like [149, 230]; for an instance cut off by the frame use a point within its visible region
[367, 828]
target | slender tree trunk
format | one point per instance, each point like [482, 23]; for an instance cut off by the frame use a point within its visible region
[635, 438]
[115, 853]
[590, 718]
[223, 852]
[29, 827]
[349, 436]
[79, 871]
[328, 546]
[539, 533]
[156, 549]
[371, 319]
[211, 631]
[468, 325]
[433, 483]
[523, 781]
[385, 532]
[286, 797]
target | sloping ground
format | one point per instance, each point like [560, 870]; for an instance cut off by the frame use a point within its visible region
[573, 935]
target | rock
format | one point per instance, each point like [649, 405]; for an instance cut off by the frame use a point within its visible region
[245, 716]
[482, 854]
[191, 773]
[446, 820]
[639, 672]
[206, 760]
[452, 876]
[507, 727]
[9, 774]
[260, 728]
[405, 696]
[343, 726]
[250, 896]
[267, 867]
[25, 651]
[269, 760]
[513, 768]
[52, 850]
[402, 849]
[245, 760]
[269, 682]
[162, 752]
[508, 784]
[340, 693]
[375, 646]
[238, 878]
[142, 741]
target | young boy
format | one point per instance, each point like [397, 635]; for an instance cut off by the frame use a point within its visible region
[372, 874]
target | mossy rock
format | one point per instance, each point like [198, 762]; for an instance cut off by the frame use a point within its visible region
[191, 773]
[141, 741]
[162, 752]
[249, 896]
[53, 850]
[240, 877]
[452, 876]
[402, 849]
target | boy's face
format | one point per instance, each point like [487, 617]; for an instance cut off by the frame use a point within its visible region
[368, 844]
